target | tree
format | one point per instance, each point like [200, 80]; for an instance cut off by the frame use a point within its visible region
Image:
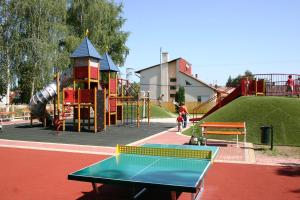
[42, 28]
[234, 82]
[248, 73]
[31, 31]
[3, 83]
[38, 35]
[229, 82]
[3, 53]
[135, 89]
[8, 37]
[180, 96]
[103, 20]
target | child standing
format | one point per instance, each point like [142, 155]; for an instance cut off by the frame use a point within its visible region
[184, 112]
[179, 122]
[290, 85]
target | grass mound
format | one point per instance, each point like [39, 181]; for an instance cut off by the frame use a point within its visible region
[160, 112]
[281, 112]
[156, 111]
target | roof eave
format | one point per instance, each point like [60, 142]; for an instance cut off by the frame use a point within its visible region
[199, 81]
[156, 65]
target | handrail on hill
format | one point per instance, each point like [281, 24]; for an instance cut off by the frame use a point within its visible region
[217, 97]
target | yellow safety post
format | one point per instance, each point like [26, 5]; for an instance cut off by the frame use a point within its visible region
[95, 110]
[78, 107]
[58, 94]
[63, 109]
[138, 112]
[148, 109]
[104, 110]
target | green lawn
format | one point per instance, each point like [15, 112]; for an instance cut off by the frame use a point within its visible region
[281, 112]
[160, 112]
[155, 111]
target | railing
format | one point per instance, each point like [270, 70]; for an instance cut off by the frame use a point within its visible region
[257, 84]
[212, 99]
[216, 98]
[230, 97]
[276, 84]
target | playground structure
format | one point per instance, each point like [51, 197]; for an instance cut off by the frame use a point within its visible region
[98, 96]
[275, 84]
[257, 85]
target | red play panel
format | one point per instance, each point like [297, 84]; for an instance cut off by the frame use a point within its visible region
[35, 174]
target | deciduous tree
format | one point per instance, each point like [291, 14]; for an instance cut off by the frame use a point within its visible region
[104, 22]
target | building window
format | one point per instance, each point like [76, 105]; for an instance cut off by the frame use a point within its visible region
[187, 83]
[172, 95]
[199, 98]
[172, 87]
[172, 79]
[202, 98]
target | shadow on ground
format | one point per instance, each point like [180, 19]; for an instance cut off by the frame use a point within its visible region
[292, 171]
[115, 192]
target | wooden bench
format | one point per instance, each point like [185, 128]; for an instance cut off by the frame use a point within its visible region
[6, 116]
[224, 128]
[26, 114]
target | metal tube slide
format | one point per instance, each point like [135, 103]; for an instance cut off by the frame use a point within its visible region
[39, 101]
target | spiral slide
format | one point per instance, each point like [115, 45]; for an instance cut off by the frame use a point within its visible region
[39, 101]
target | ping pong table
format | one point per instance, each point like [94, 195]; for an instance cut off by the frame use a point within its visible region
[172, 168]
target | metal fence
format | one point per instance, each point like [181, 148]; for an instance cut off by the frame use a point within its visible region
[276, 84]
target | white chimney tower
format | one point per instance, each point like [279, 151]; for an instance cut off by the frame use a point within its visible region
[164, 75]
[165, 57]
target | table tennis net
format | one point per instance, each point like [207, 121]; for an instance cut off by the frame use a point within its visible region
[166, 152]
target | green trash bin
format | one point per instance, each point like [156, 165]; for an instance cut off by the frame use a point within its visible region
[265, 134]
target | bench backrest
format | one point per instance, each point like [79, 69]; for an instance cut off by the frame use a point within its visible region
[224, 124]
[6, 113]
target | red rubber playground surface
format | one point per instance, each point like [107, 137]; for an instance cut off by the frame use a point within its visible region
[37, 174]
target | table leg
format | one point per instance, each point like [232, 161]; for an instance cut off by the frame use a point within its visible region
[95, 187]
[197, 195]
[173, 195]
[137, 195]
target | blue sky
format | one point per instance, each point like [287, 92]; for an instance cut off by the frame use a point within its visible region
[218, 37]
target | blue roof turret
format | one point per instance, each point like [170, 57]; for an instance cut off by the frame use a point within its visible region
[86, 49]
[107, 64]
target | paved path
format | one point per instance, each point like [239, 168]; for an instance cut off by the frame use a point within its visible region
[228, 151]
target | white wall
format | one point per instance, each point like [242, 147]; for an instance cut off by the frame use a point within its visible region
[152, 81]
[196, 89]
[150, 78]
[164, 82]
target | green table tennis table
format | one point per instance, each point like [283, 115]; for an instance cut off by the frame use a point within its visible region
[173, 168]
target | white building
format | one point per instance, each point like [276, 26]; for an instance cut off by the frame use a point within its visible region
[166, 78]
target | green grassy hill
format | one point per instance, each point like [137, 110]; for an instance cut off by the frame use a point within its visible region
[155, 111]
[160, 112]
[281, 112]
